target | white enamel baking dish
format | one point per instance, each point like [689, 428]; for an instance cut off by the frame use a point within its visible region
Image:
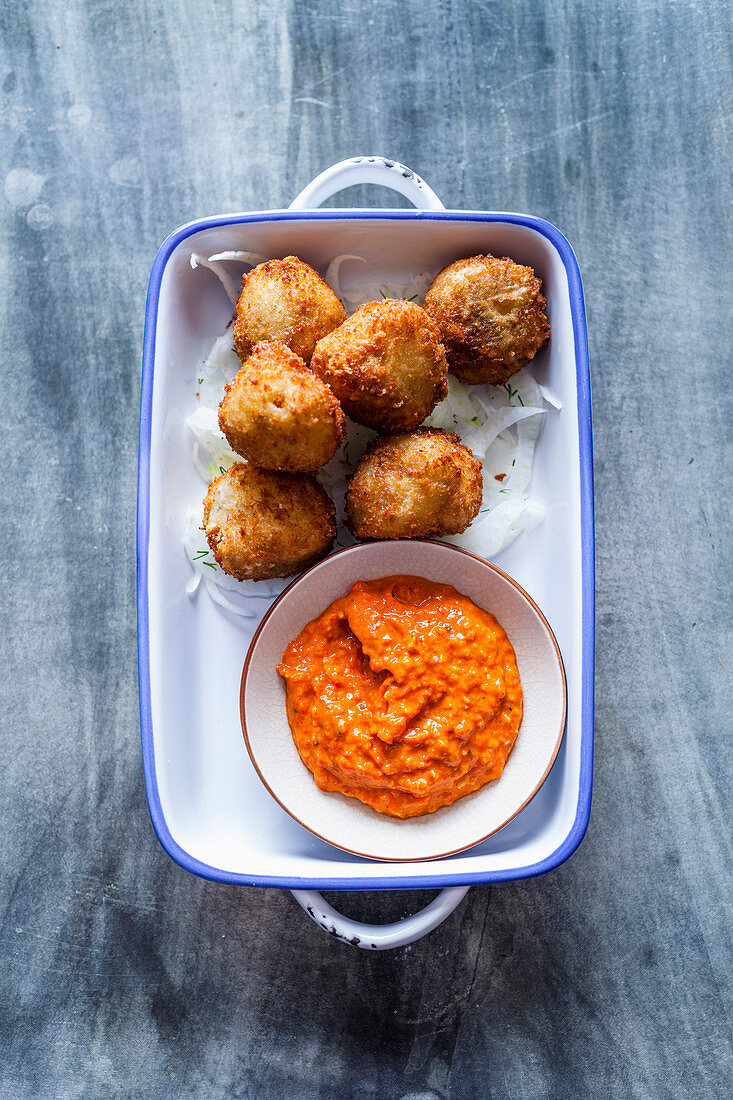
[209, 809]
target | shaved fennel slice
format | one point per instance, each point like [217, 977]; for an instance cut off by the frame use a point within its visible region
[497, 528]
[204, 426]
[222, 275]
[218, 368]
[521, 472]
[335, 475]
[478, 439]
[332, 273]
[414, 291]
[223, 355]
[201, 470]
[213, 263]
[550, 397]
[251, 258]
[374, 291]
[500, 425]
[219, 584]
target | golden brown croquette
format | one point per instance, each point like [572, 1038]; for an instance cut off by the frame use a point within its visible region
[264, 523]
[491, 315]
[288, 302]
[279, 414]
[386, 365]
[415, 485]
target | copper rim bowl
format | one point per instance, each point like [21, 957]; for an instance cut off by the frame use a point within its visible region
[345, 822]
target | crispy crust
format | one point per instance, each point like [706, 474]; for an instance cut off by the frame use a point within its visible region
[386, 364]
[264, 523]
[414, 485]
[279, 414]
[491, 315]
[288, 302]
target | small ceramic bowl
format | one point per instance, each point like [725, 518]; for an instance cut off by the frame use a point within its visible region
[345, 822]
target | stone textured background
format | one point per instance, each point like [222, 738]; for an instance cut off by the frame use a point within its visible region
[122, 975]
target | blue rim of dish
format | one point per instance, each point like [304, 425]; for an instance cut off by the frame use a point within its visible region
[580, 337]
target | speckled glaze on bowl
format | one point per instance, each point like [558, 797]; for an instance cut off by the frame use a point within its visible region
[345, 822]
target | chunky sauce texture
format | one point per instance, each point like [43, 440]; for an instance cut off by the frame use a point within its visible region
[403, 694]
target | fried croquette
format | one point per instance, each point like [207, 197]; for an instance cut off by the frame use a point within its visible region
[288, 302]
[386, 364]
[491, 315]
[279, 414]
[264, 523]
[415, 485]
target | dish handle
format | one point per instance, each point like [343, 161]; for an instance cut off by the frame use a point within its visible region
[377, 170]
[380, 937]
[374, 937]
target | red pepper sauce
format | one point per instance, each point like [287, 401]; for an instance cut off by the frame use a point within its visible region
[403, 694]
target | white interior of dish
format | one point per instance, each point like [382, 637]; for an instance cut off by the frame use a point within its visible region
[214, 804]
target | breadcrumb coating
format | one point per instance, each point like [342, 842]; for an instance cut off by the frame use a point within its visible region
[414, 485]
[264, 523]
[288, 302]
[279, 414]
[491, 315]
[386, 364]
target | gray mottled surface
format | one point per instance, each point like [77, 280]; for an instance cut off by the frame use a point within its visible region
[122, 975]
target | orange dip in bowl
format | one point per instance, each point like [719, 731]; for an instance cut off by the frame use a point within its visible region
[403, 694]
